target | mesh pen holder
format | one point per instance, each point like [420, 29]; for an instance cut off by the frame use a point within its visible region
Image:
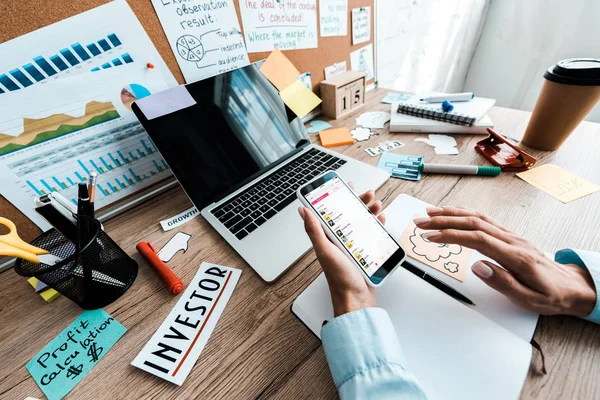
[92, 277]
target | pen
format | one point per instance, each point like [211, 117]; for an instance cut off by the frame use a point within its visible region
[450, 97]
[459, 169]
[449, 290]
[92, 191]
[467, 96]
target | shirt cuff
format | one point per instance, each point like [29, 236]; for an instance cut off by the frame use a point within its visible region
[590, 261]
[358, 341]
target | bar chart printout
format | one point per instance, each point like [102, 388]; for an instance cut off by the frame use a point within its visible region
[43, 67]
[104, 154]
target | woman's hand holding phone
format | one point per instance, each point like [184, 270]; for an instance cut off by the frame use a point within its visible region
[349, 291]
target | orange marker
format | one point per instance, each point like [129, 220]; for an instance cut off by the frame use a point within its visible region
[168, 277]
[150, 65]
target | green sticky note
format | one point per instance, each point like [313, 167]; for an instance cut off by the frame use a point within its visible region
[68, 358]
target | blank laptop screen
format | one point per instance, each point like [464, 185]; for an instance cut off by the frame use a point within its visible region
[238, 128]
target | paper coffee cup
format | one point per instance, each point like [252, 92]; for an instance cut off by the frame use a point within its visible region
[571, 89]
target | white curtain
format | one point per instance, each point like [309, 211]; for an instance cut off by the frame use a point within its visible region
[425, 45]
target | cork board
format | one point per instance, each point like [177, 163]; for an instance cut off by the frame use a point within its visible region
[22, 16]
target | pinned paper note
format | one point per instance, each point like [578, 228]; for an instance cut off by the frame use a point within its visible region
[362, 60]
[299, 99]
[333, 17]
[361, 25]
[69, 357]
[179, 219]
[361, 134]
[208, 44]
[335, 69]
[374, 119]
[279, 70]
[442, 144]
[450, 259]
[179, 242]
[558, 183]
[394, 97]
[401, 166]
[335, 137]
[174, 348]
[289, 25]
[317, 126]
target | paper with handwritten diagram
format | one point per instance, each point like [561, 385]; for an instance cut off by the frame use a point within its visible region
[204, 35]
[361, 25]
[362, 60]
[558, 183]
[69, 357]
[333, 17]
[450, 259]
[289, 25]
[174, 348]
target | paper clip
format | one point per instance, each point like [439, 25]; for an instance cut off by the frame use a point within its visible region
[500, 152]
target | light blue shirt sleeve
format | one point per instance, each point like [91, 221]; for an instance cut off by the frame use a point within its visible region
[590, 261]
[365, 358]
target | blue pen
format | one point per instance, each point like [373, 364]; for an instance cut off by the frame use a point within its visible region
[467, 96]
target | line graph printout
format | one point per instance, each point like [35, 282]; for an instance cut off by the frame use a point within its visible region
[205, 36]
[109, 36]
[51, 146]
[289, 24]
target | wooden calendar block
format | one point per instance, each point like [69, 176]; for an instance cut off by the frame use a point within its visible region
[343, 94]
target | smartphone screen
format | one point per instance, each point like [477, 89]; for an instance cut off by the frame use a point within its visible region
[354, 226]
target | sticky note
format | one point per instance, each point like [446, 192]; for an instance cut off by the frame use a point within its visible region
[279, 70]
[299, 99]
[68, 358]
[336, 137]
[317, 126]
[558, 183]
[450, 259]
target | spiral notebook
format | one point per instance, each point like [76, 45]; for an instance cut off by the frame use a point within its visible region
[455, 351]
[465, 113]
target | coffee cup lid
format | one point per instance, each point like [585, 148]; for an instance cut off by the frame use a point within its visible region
[575, 71]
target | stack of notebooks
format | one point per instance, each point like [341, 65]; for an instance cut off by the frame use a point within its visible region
[468, 117]
[455, 351]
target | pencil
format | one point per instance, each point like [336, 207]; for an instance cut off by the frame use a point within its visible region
[449, 290]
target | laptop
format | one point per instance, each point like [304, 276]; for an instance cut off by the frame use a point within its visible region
[240, 154]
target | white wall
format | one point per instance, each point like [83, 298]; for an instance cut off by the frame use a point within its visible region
[522, 38]
[427, 45]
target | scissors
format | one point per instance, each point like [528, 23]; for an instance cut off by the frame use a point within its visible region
[12, 245]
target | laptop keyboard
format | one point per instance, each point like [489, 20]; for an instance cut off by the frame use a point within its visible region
[253, 207]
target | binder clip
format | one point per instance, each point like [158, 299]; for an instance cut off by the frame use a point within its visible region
[500, 152]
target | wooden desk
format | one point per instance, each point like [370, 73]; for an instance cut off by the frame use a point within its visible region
[259, 349]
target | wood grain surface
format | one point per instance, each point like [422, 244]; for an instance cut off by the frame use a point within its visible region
[23, 16]
[259, 349]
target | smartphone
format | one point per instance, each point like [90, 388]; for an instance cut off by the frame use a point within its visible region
[352, 227]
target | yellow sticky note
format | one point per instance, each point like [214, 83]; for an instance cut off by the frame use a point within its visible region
[450, 259]
[558, 183]
[279, 70]
[299, 99]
